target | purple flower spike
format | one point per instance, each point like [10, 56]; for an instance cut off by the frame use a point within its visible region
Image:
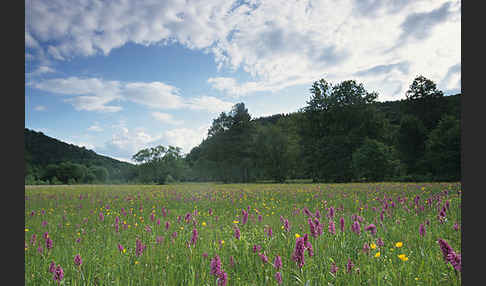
[277, 263]
[77, 260]
[222, 278]
[237, 233]
[52, 267]
[278, 277]
[332, 227]
[263, 257]
[349, 266]
[372, 228]
[58, 274]
[216, 265]
[194, 236]
[356, 228]
[49, 243]
[450, 255]
[422, 229]
[298, 255]
[334, 268]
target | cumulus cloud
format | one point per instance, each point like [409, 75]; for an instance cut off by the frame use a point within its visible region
[125, 142]
[95, 94]
[92, 94]
[87, 28]
[278, 43]
[153, 94]
[420, 25]
[96, 128]
[403, 67]
[166, 118]
[186, 138]
[452, 80]
[209, 103]
[40, 70]
[40, 108]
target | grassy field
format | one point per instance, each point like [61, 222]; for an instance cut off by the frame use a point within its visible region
[214, 234]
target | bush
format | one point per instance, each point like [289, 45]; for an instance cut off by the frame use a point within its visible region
[374, 161]
[55, 181]
[169, 179]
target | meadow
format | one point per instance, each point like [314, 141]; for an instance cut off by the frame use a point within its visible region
[244, 234]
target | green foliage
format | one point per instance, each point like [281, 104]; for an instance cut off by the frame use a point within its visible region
[443, 150]
[411, 142]
[425, 101]
[337, 119]
[159, 163]
[374, 161]
[274, 152]
[55, 181]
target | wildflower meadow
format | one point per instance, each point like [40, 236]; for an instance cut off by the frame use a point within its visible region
[244, 234]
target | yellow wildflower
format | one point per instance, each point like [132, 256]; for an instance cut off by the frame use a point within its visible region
[297, 235]
[403, 257]
[373, 246]
[235, 221]
[377, 254]
[203, 223]
[399, 244]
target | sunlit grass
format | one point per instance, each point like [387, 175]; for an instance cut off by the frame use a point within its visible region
[82, 220]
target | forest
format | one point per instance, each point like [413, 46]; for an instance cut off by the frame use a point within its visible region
[343, 134]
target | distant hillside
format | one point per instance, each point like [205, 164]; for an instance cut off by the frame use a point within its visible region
[391, 109]
[42, 151]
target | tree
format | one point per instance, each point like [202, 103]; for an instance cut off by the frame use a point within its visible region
[228, 148]
[156, 163]
[70, 172]
[100, 173]
[443, 149]
[273, 152]
[374, 161]
[411, 142]
[335, 123]
[425, 101]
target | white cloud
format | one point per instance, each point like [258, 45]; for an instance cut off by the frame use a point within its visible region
[209, 103]
[40, 108]
[94, 94]
[90, 27]
[124, 143]
[40, 70]
[96, 128]
[30, 41]
[186, 138]
[154, 95]
[166, 118]
[278, 43]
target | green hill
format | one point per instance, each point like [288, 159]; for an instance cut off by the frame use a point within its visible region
[47, 157]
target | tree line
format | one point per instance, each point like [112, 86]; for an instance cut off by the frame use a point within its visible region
[342, 135]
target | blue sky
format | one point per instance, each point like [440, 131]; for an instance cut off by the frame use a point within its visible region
[119, 76]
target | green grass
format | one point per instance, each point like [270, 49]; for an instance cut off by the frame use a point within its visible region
[172, 262]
